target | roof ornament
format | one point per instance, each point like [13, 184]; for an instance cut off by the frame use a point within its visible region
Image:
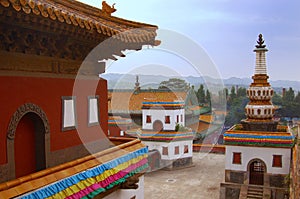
[260, 42]
[107, 9]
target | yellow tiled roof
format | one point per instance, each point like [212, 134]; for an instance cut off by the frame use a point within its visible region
[206, 118]
[128, 101]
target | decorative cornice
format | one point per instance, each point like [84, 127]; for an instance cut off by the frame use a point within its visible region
[23, 110]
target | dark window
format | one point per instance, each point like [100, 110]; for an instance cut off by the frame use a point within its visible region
[258, 111]
[277, 161]
[148, 119]
[176, 150]
[237, 158]
[167, 119]
[177, 119]
[165, 150]
[186, 148]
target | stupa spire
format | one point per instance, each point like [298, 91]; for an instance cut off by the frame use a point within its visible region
[260, 67]
[260, 110]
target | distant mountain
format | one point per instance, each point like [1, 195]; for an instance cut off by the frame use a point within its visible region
[127, 81]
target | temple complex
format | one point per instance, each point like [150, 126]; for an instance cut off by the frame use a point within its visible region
[258, 151]
[54, 121]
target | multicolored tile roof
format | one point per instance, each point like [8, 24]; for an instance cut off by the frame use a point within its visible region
[259, 139]
[117, 120]
[82, 178]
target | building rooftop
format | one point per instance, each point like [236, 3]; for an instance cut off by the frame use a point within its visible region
[238, 136]
[87, 17]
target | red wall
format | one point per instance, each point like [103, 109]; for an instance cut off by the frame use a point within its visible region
[47, 93]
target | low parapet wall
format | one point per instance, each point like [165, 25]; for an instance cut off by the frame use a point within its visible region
[209, 148]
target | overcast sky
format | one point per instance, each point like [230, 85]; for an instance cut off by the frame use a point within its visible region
[227, 31]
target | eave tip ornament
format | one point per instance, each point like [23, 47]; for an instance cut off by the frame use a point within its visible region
[260, 42]
[107, 9]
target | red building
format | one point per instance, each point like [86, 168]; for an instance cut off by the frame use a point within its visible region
[53, 103]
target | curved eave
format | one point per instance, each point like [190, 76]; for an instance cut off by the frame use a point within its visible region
[87, 17]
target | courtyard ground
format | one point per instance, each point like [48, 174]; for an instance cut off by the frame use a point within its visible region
[202, 181]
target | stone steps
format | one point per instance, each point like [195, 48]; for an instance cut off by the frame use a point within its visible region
[255, 193]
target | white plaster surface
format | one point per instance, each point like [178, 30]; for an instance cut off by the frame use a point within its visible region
[263, 153]
[160, 115]
[171, 148]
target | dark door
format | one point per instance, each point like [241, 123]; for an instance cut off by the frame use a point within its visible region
[29, 145]
[257, 170]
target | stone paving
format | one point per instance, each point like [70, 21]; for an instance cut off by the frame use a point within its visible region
[202, 181]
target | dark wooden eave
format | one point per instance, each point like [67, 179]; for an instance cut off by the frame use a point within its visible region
[63, 33]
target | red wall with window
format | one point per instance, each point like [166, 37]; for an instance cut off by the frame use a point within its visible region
[46, 93]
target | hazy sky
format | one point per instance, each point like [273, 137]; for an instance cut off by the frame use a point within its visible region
[227, 31]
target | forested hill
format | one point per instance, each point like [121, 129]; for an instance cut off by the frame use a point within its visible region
[127, 81]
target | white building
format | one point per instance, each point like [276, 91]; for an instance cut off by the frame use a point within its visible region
[164, 131]
[258, 151]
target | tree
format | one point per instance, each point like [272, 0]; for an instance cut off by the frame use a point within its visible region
[289, 95]
[297, 98]
[232, 93]
[201, 94]
[277, 99]
[207, 97]
[174, 84]
[241, 92]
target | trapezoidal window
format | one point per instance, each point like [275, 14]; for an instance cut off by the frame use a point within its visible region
[186, 148]
[277, 161]
[167, 119]
[69, 120]
[237, 158]
[176, 152]
[148, 119]
[165, 150]
[93, 108]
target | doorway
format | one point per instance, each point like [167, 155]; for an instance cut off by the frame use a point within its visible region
[257, 169]
[29, 145]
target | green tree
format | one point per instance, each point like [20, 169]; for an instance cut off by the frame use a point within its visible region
[241, 92]
[201, 94]
[232, 93]
[236, 111]
[277, 99]
[297, 98]
[289, 95]
[207, 97]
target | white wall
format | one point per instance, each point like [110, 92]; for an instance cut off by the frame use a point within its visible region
[171, 148]
[129, 193]
[263, 153]
[160, 115]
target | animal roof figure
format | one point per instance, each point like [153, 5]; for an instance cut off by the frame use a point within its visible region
[107, 9]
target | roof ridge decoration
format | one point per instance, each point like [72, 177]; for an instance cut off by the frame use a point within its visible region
[84, 16]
